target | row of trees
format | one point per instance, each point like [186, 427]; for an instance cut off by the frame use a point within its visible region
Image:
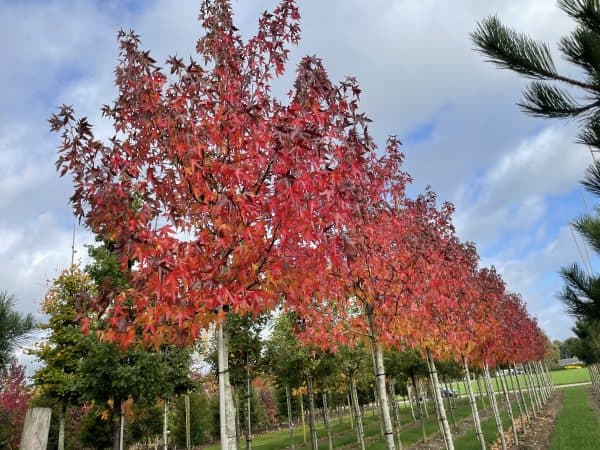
[220, 200]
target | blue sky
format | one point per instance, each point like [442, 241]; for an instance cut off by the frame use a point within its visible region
[513, 179]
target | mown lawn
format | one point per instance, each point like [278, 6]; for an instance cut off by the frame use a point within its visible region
[577, 425]
[568, 376]
[559, 377]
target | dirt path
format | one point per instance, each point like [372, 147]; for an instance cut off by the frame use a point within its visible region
[540, 430]
[594, 397]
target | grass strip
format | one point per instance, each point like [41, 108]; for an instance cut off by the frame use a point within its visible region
[577, 425]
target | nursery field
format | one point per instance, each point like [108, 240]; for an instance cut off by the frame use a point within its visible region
[343, 436]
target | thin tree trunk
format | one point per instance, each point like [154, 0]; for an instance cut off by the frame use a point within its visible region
[248, 407]
[530, 391]
[481, 391]
[61, 427]
[290, 418]
[327, 421]
[116, 430]
[396, 408]
[188, 440]
[357, 413]
[303, 418]
[513, 390]
[540, 385]
[518, 382]
[351, 412]
[236, 407]
[165, 425]
[534, 388]
[226, 407]
[410, 402]
[449, 404]
[122, 427]
[494, 404]
[418, 398]
[474, 411]
[384, 405]
[438, 396]
[311, 415]
[381, 392]
[509, 407]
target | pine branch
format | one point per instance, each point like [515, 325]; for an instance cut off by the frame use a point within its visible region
[516, 51]
[590, 134]
[582, 48]
[591, 181]
[589, 228]
[581, 293]
[586, 12]
[545, 100]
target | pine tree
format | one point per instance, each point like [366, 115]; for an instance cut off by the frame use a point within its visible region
[552, 95]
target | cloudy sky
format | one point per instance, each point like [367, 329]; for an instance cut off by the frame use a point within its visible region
[513, 179]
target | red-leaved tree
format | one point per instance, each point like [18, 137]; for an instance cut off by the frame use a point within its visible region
[14, 399]
[216, 196]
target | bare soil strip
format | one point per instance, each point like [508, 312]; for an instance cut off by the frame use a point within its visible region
[540, 429]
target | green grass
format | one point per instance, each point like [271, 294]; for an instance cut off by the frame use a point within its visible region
[577, 425]
[568, 376]
[343, 435]
[559, 377]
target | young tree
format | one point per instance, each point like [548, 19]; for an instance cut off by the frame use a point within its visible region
[210, 188]
[59, 376]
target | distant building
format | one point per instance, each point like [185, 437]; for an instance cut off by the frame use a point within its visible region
[570, 362]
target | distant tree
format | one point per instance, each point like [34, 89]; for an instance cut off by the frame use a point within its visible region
[14, 328]
[588, 334]
[570, 347]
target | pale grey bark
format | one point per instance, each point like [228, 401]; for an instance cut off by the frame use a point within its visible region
[360, 434]
[396, 408]
[521, 395]
[226, 407]
[188, 441]
[384, 407]
[482, 392]
[165, 425]
[531, 391]
[513, 391]
[61, 428]
[494, 404]
[290, 417]
[509, 407]
[327, 420]
[248, 408]
[474, 410]
[440, 403]
[410, 402]
[122, 427]
[311, 415]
